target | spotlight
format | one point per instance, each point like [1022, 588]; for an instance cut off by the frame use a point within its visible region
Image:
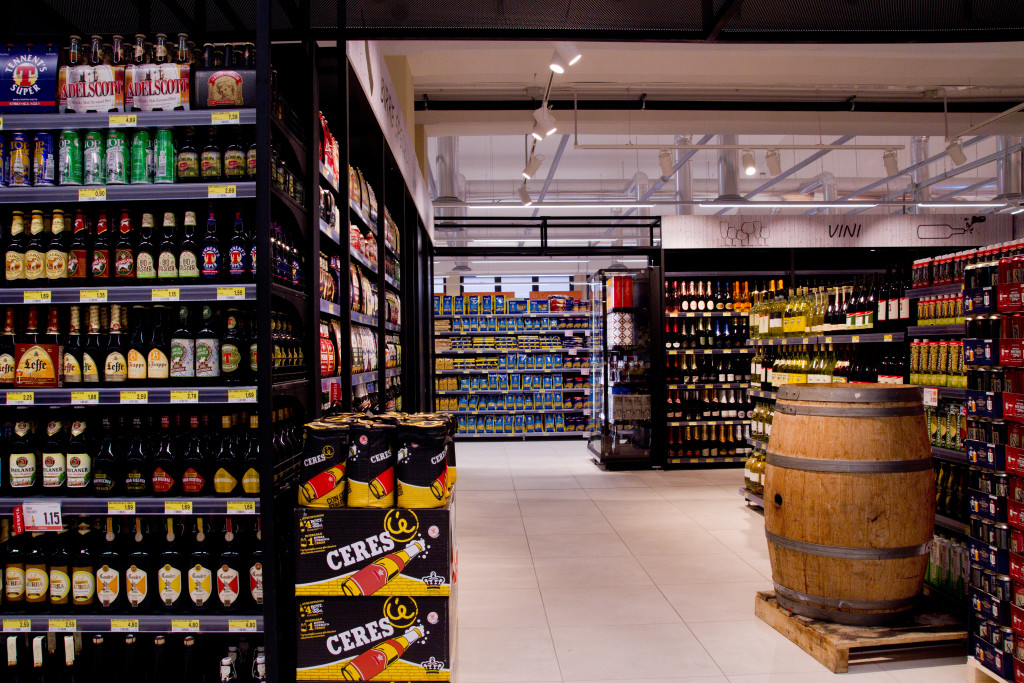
[524, 195]
[667, 167]
[569, 53]
[748, 162]
[533, 165]
[956, 153]
[544, 123]
[774, 162]
[558, 64]
[892, 166]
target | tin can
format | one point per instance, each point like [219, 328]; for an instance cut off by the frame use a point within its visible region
[69, 158]
[164, 163]
[142, 157]
[1002, 587]
[42, 159]
[19, 161]
[95, 170]
[3, 162]
[116, 155]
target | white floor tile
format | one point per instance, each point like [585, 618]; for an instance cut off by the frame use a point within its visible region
[651, 507]
[610, 480]
[752, 647]
[552, 494]
[534, 481]
[495, 573]
[553, 508]
[675, 522]
[596, 606]
[687, 569]
[469, 525]
[507, 655]
[493, 546]
[696, 602]
[693, 542]
[512, 608]
[568, 524]
[573, 572]
[594, 547]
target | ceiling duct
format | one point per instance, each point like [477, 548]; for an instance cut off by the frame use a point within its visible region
[1008, 168]
[729, 170]
[919, 176]
[684, 176]
[447, 162]
[830, 190]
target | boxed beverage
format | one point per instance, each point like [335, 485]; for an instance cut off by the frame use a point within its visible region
[225, 87]
[162, 87]
[83, 88]
[29, 77]
[397, 638]
[40, 365]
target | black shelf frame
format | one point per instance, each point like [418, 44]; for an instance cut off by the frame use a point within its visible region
[133, 623]
[68, 194]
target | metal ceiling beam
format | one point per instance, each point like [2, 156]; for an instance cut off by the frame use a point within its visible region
[722, 19]
[551, 171]
[970, 188]
[661, 182]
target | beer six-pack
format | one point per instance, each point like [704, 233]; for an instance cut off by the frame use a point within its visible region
[375, 557]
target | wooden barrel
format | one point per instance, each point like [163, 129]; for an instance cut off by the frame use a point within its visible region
[849, 501]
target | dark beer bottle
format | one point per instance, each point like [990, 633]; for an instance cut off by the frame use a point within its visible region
[251, 459]
[166, 478]
[124, 253]
[60, 572]
[228, 570]
[210, 264]
[238, 251]
[54, 454]
[115, 366]
[256, 568]
[73, 348]
[232, 369]
[94, 354]
[7, 357]
[226, 462]
[138, 348]
[78, 250]
[100, 259]
[188, 252]
[22, 463]
[138, 574]
[109, 587]
[83, 577]
[196, 468]
[167, 261]
[200, 574]
[169, 575]
[105, 470]
[136, 481]
[158, 358]
[37, 576]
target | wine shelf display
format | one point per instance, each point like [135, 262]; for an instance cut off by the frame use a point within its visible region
[142, 623]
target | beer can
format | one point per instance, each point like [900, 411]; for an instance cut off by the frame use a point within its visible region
[142, 157]
[69, 158]
[3, 162]
[19, 161]
[95, 170]
[324, 454]
[42, 159]
[164, 163]
[116, 155]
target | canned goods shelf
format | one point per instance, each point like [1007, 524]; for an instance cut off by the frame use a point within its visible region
[937, 330]
[936, 290]
[949, 455]
[95, 292]
[58, 194]
[105, 395]
[133, 623]
[953, 525]
[143, 506]
[143, 119]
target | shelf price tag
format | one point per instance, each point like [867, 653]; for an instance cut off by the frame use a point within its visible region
[241, 395]
[241, 507]
[178, 507]
[121, 507]
[828, 340]
[855, 338]
[236, 625]
[62, 625]
[931, 396]
[1, 123]
[230, 293]
[887, 337]
[220, 118]
[37, 296]
[122, 120]
[185, 396]
[135, 397]
[184, 625]
[167, 294]
[707, 352]
[40, 516]
[20, 398]
[17, 625]
[221, 191]
[92, 194]
[124, 625]
[92, 295]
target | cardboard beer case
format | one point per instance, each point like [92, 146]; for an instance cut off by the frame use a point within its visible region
[151, 87]
[225, 87]
[29, 75]
[83, 88]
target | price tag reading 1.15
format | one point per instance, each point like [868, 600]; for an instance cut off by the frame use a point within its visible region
[168, 294]
[41, 516]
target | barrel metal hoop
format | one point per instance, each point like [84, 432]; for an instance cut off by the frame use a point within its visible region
[849, 553]
[849, 394]
[790, 462]
[838, 603]
[839, 617]
[846, 411]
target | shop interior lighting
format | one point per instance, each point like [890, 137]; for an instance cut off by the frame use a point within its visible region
[532, 166]
[785, 205]
[774, 162]
[892, 166]
[956, 153]
[748, 162]
[558, 64]
[544, 123]
[1016, 211]
[667, 167]
[524, 195]
[961, 205]
[501, 206]
[566, 54]
[525, 262]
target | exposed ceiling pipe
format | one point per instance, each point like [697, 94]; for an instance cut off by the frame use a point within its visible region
[827, 182]
[961, 190]
[448, 173]
[684, 177]
[794, 169]
[551, 171]
[919, 176]
[1008, 169]
[642, 183]
[679, 164]
[728, 169]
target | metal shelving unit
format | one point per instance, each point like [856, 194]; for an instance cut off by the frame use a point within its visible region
[117, 294]
[135, 623]
[145, 506]
[144, 395]
[65, 194]
[865, 338]
[143, 119]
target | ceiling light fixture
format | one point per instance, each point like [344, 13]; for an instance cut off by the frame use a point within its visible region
[956, 153]
[748, 162]
[525, 262]
[558, 64]
[961, 205]
[667, 167]
[544, 123]
[524, 195]
[892, 166]
[500, 206]
[774, 162]
[785, 205]
[567, 54]
[533, 165]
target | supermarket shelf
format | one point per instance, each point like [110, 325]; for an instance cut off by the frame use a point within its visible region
[392, 327]
[330, 308]
[865, 338]
[705, 461]
[328, 175]
[362, 318]
[508, 391]
[990, 676]
[576, 371]
[551, 314]
[367, 224]
[364, 377]
[480, 352]
[709, 385]
[293, 296]
[706, 314]
[392, 372]
[462, 435]
[950, 455]
[334, 234]
[297, 210]
[143, 506]
[163, 395]
[936, 290]
[705, 352]
[145, 119]
[949, 392]
[701, 423]
[758, 393]
[507, 333]
[96, 293]
[516, 411]
[752, 498]
[133, 623]
[298, 148]
[390, 282]
[937, 330]
[363, 261]
[390, 249]
[950, 524]
[56, 194]
[755, 443]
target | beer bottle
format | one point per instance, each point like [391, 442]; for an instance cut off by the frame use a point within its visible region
[105, 466]
[138, 573]
[228, 576]
[129, 660]
[200, 576]
[83, 578]
[188, 252]
[108, 569]
[138, 347]
[234, 158]
[118, 57]
[100, 259]
[226, 462]
[14, 248]
[139, 49]
[229, 56]
[79, 460]
[96, 52]
[195, 462]
[60, 572]
[124, 255]
[210, 264]
[31, 332]
[231, 367]
[136, 479]
[7, 349]
[98, 665]
[208, 349]
[146, 253]
[249, 55]
[250, 161]
[211, 165]
[159, 668]
[159, 347]
[94, 352]
[22, 462]
[14, 572]
[35, 248]
[169, 578]
[54, 454]
[184, 54]
[78, 250]
[167, 262]
[74, 51]
[38, 671]
[166, 466]
[115, 366]
[256, 568]
[57, 250]
[183, 347]
[238, 252]
[251, 459]
[188, 158]
[160, 55]
[37, 576]
[191, 670]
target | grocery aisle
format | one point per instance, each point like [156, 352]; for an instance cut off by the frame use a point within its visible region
[568, 573]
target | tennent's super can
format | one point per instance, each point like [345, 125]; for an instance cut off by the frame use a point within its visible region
[117, 157]
[163, 156]
[95, 169]
[142, 157]
[19, 161]
[69, 158]
[42, 159]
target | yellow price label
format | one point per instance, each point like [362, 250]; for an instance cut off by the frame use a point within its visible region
[242, 507]
[134, 397]
[230, 293]
[20, 398]
[17, 625]
[121, 507]
[178, 507]
[726, 350]
[855, 338]
[92, 295]
[887, 337]
[241, 395]
[828, 340]
[241, 625]
[122, 120]
[225, 117]
[690, 315]
[168, 294]
[92, 194]
[124, 625]
[1, 123]
[184, 625]
[37, 296]
[185, 396]
[223, 191]
[707, 352]
[62, 625]
[78, 397]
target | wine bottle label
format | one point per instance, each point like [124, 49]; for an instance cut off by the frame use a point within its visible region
[210, 261]
[60, 585]
[183, 362]
[145, 267]
[108, 585]
[169, 580]
[72, 369]
[893, 306]
[54, 470]
[35, 265]
[159, 366]
[200, 584]
[6, 368]
[188, 264]
[136, 365]
[192, 481]
[37, 584]
[56, 265]
[136, 585]
[90, 369]
[207, 358]
[22, 470]
[251, 481]
[227, 585]
[223, 481]
[167, 265]
[15, 265]
[116, 368]
[162, 482]
[79, 470]
[256, 582]
[77, 259]
[83, 586]
[231, 357]
[14, 582]
[100, 266]
[124, 264]
[904, 308]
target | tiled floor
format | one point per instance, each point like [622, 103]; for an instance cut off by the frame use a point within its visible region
[568, 573]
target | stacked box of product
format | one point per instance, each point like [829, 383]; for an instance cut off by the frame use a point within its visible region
[375, 549]
[518, 423]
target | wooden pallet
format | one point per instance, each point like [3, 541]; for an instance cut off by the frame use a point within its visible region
[831, 644]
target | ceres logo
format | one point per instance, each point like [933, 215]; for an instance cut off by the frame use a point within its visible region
[401, 524]
[401, 611]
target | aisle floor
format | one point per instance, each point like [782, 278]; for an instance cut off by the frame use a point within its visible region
[569, 573]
